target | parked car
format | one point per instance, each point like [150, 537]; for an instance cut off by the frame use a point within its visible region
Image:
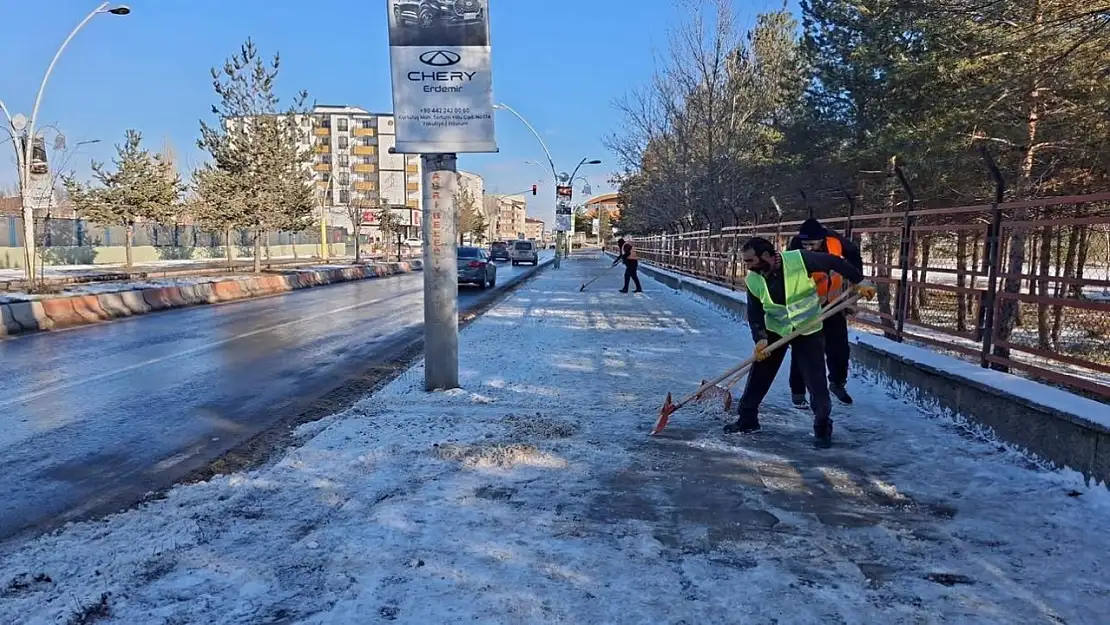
[475, 267]
[525, 252]
[499, 250]
[429, 13]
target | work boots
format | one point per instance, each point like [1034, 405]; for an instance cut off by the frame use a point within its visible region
[837, 388]
[822, 433]
[740, 426]
[799, 400]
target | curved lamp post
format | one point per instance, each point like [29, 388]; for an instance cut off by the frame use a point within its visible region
[20, 127]
[558, 179]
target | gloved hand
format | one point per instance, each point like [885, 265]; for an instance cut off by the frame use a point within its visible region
[866, 289]
[760, 352]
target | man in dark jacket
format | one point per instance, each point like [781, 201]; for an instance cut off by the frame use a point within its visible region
[782, 300]
[631, 264]
[814, 237]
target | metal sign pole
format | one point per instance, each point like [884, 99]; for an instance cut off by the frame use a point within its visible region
[441, 290]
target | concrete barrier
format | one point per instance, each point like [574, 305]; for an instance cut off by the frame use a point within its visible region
[1063, 428]
[61, 313]
[135, 302]
[8, 324]
[89, 308]
[113, 305]
[30, 316]
[75, 310]
[155, 298]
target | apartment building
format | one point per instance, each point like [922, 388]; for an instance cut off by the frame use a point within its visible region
[352, 165]
[533, 228]
[505, 215]
[473, 185]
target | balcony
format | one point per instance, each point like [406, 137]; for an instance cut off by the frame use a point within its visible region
[413, 169]
[365, 150]
[413, 204]
[412, 186]
[322, 149]
[363, 168]
[364, 132]
[361, 185]
[321, 132]
[322, 167]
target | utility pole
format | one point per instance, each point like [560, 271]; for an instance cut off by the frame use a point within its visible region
[441, 267]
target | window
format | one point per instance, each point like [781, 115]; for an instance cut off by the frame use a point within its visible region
[325, 159]
[471, 252]
[325, 177]
[342, 124]
[344, 196]
[366, 141]
[324, 121]
[343, 142]
[365, 160]
[323, 141]
[524, 246]
[343, 178]
[367, 123]
[344, 160]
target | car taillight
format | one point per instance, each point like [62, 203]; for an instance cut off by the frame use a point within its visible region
[476, 264]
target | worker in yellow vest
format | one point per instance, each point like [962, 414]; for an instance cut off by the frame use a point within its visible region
[814, 237]
[631, 264]
[782, 299]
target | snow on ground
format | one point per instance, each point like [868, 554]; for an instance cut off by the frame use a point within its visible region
[533, 495]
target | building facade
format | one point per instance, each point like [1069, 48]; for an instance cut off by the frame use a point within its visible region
[533, 229]
[472, 186]
[505, 215]
[354, 171]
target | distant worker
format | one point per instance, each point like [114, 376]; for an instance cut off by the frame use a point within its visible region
[631, 264]
[814, 237]
[782, 298]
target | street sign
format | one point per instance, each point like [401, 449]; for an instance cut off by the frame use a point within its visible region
[442, 79]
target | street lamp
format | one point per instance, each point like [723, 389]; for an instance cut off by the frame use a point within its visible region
[559, 179]
[21, 127]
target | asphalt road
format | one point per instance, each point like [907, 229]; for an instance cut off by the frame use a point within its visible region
[92, 419]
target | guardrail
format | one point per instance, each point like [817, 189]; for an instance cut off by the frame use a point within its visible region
[1019, 286]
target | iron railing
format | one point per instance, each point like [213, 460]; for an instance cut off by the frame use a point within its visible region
[1016, 286]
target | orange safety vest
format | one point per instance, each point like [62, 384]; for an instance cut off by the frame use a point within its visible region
[830, 285]
[631, 252]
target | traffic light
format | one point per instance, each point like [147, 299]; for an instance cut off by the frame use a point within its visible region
[533, 189]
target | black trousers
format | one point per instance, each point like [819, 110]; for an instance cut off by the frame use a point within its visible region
[809, 353]
[837, 355]
[630, 267]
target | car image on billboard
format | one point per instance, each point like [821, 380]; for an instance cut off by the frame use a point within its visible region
[438, 23]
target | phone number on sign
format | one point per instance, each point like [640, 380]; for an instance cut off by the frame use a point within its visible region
[445, 111]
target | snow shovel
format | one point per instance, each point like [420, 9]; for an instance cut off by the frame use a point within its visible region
[734, 374]
[595, 278]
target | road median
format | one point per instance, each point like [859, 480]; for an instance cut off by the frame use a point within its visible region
[26, 314]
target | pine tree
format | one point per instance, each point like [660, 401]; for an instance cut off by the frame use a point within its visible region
[256, 148]
[143, 186]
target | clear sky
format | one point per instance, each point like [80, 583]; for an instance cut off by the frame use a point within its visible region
[560, 63]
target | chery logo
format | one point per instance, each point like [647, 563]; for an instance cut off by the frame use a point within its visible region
[440, 58]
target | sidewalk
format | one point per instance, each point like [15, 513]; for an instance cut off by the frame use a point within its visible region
[534, 495]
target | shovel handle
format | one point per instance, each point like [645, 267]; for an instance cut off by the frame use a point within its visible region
[845, 299]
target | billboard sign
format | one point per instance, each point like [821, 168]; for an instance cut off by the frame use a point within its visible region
[563, 211]
[442, 80]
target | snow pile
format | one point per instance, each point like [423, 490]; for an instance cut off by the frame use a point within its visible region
[533, 495]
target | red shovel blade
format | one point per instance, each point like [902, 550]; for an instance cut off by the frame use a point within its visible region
[664, 415]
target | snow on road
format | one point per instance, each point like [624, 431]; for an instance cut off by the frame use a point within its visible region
[533, 495]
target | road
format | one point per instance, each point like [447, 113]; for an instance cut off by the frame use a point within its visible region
[92, 419]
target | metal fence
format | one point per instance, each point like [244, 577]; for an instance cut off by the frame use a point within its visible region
[1016, 286]
[80, 233]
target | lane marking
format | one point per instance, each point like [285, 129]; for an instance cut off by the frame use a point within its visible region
[153, 361]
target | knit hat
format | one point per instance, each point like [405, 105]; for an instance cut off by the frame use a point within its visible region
[812, 230]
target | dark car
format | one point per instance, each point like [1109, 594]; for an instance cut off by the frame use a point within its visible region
[475, 267]
[429, 13]
[499, 250]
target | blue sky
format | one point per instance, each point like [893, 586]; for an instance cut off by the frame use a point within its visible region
[560, 63]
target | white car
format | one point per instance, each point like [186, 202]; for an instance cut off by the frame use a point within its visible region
[524, 252]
